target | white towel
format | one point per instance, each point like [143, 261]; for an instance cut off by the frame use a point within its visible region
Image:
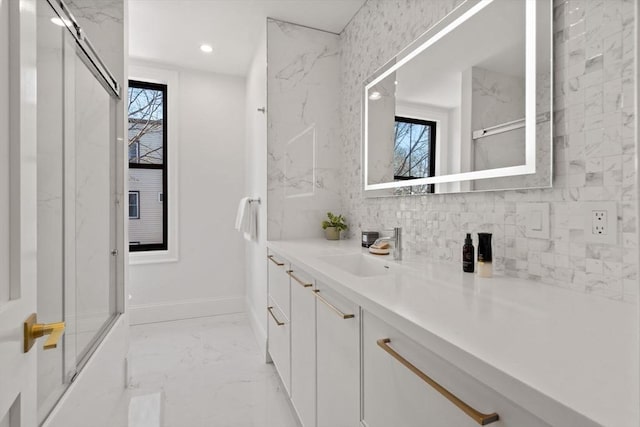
[251, 230]
[247, 219]
[241, 216]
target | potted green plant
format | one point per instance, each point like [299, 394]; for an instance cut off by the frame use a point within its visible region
[333, 226]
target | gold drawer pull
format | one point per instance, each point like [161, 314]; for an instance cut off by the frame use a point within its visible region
[333, 307]
[479, 417]
[270, 309]
[306, 285]
[278, 263]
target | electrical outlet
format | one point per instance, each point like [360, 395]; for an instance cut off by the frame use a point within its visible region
[601, 221]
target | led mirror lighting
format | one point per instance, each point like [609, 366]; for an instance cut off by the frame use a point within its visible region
[206, 48]
[455, 167]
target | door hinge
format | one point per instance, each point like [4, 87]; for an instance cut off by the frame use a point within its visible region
[114, 252]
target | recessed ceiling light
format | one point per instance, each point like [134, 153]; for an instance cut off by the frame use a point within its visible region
[375, 95]
[61, 22]
[206, 48]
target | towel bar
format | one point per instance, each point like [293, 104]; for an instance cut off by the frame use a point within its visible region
[255, 200]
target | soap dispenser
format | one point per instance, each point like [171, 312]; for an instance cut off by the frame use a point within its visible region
[485, 258]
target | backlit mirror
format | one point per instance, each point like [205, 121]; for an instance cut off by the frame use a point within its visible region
[466, 107]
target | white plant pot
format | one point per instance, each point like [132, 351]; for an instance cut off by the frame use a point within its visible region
[332, 233]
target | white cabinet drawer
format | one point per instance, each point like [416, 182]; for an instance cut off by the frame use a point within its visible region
[337, 325]
[279, 282]
[395, 395]
[279, 329]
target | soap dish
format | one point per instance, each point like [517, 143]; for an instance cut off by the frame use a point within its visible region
[380, 247]
[378, 251]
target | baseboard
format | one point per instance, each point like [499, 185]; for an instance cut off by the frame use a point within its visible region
[258, 331]
[186, 309]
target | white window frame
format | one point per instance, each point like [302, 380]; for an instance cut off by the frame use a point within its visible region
[153, 74]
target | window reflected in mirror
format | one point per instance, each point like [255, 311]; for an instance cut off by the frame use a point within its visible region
[414, 148]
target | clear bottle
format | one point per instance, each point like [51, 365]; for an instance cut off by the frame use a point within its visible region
[468, 255]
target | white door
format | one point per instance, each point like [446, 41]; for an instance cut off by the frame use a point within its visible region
[17, 210]
[303, 347]
[338, 369]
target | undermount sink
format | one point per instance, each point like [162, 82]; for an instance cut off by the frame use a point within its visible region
[358, 264]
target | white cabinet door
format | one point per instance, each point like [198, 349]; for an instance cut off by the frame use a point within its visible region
[395, 395]
[337, 323]
[303, 347]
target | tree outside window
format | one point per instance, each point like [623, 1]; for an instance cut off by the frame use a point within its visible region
[414, 149]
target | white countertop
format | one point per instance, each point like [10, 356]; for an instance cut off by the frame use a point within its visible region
[532, 342]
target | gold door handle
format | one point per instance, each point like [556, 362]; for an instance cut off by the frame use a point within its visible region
[33, 330]
[270, 310]
[479, 417]
[305, 285]
[276, 262]
[333, 307]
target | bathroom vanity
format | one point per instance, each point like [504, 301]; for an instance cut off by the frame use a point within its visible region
[360, 340]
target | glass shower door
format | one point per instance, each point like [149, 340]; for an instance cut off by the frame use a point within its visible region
[76, 205]
[89, 206]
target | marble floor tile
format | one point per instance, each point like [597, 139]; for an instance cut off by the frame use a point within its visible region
[205, 372]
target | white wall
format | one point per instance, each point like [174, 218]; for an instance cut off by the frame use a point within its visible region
[208, 276]
[256, 186]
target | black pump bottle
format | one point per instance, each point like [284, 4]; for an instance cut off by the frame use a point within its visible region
[467, 255]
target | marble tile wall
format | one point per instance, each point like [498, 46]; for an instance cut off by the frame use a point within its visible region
[104, 23]
[593, 140]
[303, 128]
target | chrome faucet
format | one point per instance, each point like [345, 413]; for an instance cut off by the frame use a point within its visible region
[397, 243]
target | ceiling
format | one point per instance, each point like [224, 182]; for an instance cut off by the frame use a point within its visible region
[171, 31]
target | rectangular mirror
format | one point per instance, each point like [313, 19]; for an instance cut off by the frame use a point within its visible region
[465, 107]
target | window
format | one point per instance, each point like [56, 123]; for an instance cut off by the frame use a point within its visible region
[414, 149]
[134, 205]
[147, 166]
[134, 152]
